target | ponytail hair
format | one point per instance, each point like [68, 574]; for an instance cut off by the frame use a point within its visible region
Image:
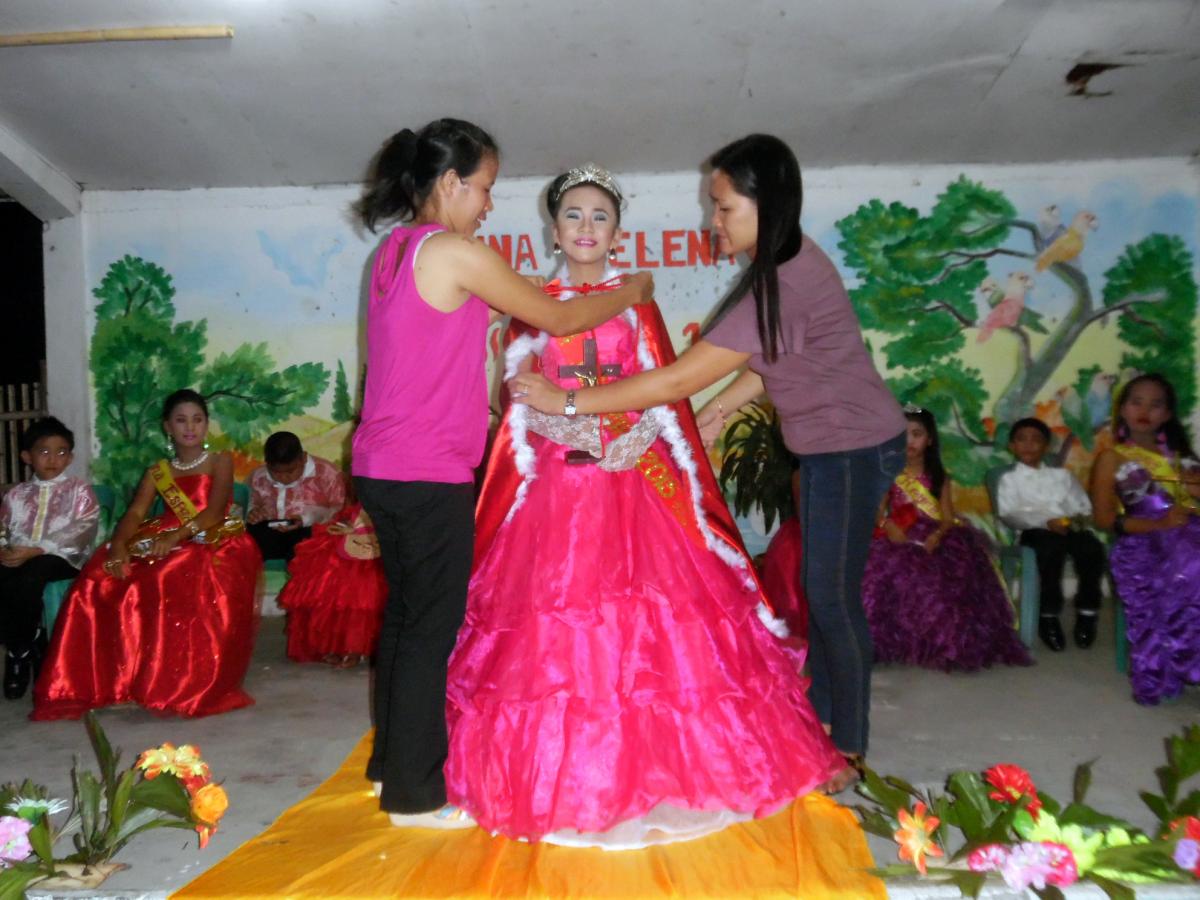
[764, 169]
[410, 163]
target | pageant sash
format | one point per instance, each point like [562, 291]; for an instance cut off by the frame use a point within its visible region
[173, 496]
[920, 495]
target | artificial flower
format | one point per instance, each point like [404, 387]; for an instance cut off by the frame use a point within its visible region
[1037, 864]
[183, 761]
[987, 858]
[914, 836]
[1012, 784]
[208, 806]
[1083, 845]
[33, 808]
[1187, 855]
[14, 839]
[1190, 826]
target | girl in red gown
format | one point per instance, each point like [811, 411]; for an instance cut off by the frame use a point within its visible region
[165, 615]
[336, 593]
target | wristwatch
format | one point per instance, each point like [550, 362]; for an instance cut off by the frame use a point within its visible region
[569, 406]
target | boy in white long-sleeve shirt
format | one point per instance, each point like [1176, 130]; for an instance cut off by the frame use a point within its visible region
[49, 523]
[1045, 505]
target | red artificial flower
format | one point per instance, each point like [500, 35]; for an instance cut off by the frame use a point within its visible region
[1190, 826]
[1012, 784]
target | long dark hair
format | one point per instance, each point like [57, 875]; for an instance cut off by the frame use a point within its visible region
[1171, 431]
[932, 457]
[411, 162]
[763, 168]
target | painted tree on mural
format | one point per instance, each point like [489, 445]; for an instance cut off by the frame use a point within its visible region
[343, 409]
[139, 354]
[920, 276]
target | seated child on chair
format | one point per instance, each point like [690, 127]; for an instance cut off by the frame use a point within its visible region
[48, 523]
[1045, 504]
[292, 492]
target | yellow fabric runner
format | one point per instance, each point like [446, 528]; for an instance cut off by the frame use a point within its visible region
[336, 843]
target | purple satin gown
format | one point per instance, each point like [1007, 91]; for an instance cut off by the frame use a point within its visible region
[1157, 576]
[941, 610]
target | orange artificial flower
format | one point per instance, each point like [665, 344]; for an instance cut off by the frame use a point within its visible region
[183, 761]
[914, 836]
[1012, 783]
[208, 806]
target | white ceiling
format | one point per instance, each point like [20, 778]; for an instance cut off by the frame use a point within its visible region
[307, 89]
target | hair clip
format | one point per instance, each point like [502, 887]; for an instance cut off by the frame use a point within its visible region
[910, 408]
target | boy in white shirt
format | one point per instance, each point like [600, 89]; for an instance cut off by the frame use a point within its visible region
[1045, 505]
[49, 523]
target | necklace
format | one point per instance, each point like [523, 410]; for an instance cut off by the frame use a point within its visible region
[183, 467]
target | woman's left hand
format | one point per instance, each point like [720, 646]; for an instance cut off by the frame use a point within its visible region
[539, 392]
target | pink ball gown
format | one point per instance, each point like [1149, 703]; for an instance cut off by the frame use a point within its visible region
[615, 682]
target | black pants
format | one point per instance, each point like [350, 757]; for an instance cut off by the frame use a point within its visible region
[274, 544]
[1052, 550]
[21, 598]
[426, 534]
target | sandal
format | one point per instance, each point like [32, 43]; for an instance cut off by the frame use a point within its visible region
[349, 661]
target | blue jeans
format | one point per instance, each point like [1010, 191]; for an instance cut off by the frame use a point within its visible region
[840, 495]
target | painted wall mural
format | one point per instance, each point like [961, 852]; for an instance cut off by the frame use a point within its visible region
[929, 286]
[985, 296]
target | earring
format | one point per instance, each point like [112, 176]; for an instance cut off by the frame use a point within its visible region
[170, 446]
[612, 253]
[557, 249]
[206, 445]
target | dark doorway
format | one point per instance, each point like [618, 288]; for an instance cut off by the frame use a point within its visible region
[23, 337]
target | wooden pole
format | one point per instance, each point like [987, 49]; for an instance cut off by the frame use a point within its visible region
[103, 35]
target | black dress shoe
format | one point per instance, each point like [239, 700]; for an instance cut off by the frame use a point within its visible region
[17, 672]
[1051, 633]
[1085, 631]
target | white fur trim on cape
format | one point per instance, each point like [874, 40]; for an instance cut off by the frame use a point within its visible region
[669, 430]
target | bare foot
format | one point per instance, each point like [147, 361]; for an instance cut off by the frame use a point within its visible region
[842, 781]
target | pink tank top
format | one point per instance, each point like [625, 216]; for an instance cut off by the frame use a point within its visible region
[425, 410]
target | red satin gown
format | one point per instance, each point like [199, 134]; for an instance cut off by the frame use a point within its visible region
[175, 636]
[334, 600]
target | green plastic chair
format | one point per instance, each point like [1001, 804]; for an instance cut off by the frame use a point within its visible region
[1018, 564]
[56, 591]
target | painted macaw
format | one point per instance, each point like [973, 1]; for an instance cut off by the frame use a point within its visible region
[1069, 244]
[1008, 309]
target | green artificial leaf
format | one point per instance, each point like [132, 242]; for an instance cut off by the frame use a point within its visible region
[973, 808]
[39, 840]
[15, 879]
[87, 803]
[104, 751]
[164, 793]
[875, 788]
[1189, 805]
[118, 807]
[1114, 889]
[1049, 892]
[1049, 804]
[1081, 814]
[875, 822]
[969, 884]
[1137, 858]
[1083, 780]
[1158, 805]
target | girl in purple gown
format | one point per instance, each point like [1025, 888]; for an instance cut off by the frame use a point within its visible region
[931, 593]
[1146, 490]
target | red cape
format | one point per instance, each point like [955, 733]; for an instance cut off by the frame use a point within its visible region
[502, 478]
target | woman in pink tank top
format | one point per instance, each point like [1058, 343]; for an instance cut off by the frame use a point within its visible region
[789, 322]
[434, 289]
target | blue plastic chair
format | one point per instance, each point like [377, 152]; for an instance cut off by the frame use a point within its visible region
[56, 591]
[1018, 565]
